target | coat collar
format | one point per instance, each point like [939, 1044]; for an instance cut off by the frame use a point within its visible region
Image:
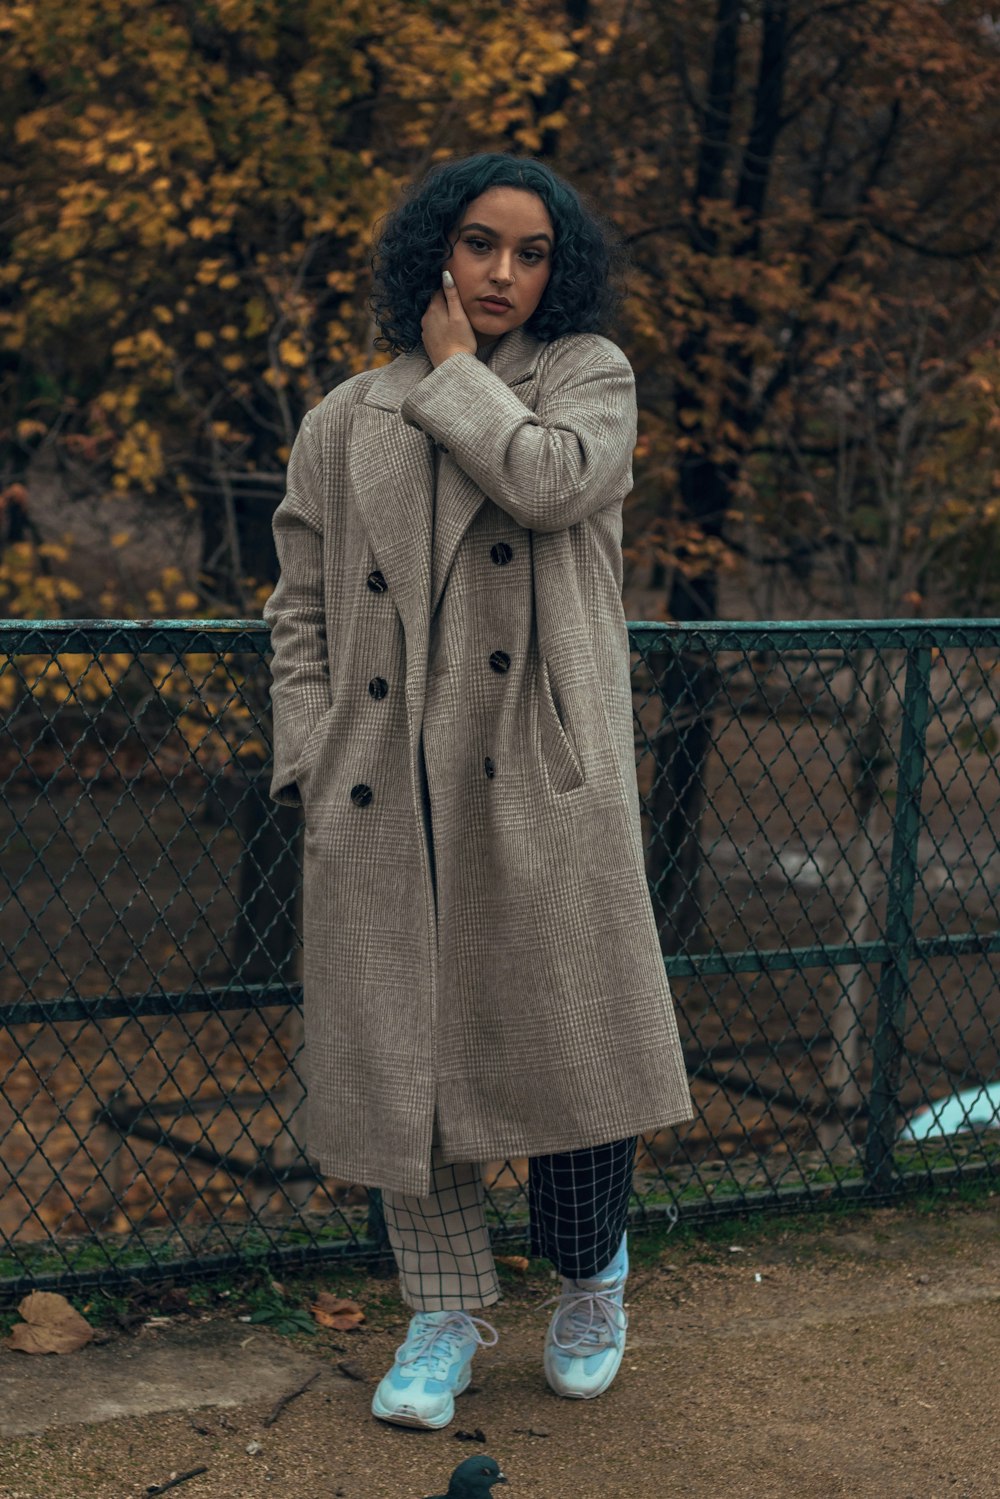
[414, 508]
[513, 357]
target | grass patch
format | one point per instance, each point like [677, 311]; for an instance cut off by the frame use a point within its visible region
[248, 1283]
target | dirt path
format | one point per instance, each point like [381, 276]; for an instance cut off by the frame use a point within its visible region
[856, 1356]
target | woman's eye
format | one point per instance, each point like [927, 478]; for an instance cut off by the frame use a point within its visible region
[536, 253]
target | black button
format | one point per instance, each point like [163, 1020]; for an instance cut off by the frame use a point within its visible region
[500, 661]
[501, 553]
[490, 770]
[376, 582]
[361, 794]
[378, 687]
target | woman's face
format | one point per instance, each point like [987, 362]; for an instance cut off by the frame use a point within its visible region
[503, 242]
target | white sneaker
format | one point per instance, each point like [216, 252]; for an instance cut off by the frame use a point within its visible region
[433, 1365]
[585, 1342]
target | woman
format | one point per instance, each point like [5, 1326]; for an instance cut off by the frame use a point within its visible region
[452, 708]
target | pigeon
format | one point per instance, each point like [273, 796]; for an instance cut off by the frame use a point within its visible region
[473, 1479]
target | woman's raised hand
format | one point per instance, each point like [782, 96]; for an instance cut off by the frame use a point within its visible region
[446, 329]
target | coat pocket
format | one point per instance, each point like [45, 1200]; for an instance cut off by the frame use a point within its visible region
[310, 750]
[562, 763]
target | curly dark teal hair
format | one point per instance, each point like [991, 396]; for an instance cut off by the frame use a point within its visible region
[586, 287]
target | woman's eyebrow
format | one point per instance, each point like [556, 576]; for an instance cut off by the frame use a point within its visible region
[496, 234]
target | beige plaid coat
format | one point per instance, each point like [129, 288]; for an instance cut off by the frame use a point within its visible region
[452, 708]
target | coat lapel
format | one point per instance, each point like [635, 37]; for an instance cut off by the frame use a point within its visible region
[393, 476]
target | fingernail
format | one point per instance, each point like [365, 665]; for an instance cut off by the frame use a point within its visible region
[447, 278]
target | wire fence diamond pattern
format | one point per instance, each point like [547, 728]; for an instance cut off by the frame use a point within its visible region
[820, 808]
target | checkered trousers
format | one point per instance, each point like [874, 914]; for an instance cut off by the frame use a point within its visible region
[578, 1205]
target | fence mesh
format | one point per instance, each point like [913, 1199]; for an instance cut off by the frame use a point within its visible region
[820, 808]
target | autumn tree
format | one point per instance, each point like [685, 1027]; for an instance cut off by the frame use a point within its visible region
[188, 209]
[188, 212]
[787, 171]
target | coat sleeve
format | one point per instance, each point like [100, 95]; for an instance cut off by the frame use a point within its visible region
[300, 667]
[549, 468]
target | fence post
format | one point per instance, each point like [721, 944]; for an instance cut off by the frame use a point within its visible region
[892, 993]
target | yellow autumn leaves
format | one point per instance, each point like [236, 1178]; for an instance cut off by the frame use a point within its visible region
[211, 178]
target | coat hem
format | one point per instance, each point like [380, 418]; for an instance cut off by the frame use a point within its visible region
[512, 1148]
[555, 1144]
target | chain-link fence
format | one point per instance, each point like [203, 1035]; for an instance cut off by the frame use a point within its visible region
[820, 813]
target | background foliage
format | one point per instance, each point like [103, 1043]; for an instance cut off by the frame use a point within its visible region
[810, 193]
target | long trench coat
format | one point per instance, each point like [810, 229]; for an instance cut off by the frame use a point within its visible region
[452, 708]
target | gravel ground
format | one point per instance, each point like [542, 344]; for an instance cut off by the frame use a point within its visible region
[828, 1355]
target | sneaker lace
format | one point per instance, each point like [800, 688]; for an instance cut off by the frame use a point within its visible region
[590, 1318]
[431, 1347]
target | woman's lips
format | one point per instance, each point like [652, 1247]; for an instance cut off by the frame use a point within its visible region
[492, 306]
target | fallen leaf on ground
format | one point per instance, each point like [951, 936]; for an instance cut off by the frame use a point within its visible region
[51, 1325]
[515, 1261]
[333, 1311]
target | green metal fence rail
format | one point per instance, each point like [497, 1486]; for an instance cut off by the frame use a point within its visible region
[821, 808]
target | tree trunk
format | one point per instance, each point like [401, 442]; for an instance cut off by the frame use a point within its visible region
[686, 684]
